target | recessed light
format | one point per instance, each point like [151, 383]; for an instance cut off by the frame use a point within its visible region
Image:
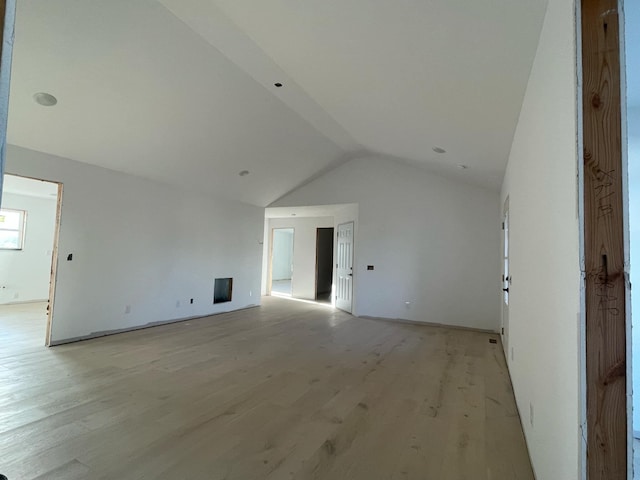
[463, 167]
[293, 214]
[439, 150]
[244, 173]
[278, 84]
[45, 99]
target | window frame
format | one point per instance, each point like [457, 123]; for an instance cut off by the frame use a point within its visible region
[21, 228]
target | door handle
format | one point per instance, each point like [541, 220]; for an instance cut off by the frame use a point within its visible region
[505, 290]
[351, 274]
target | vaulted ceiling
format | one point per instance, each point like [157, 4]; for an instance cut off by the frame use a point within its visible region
[182, 91]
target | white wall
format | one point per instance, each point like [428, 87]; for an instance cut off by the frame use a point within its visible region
[433, 242]
[303, 281]
[25, 274]
[282, 260]
[541, 182]
[144, 244]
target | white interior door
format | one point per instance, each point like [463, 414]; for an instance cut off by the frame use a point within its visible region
[344, 267]
[506, 280]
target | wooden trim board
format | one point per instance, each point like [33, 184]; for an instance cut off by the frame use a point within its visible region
[605, 289]
[3, 9]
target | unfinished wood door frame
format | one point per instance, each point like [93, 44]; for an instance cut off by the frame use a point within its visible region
[54, 266]
[605, 251]
[7, 22]
[3, 12]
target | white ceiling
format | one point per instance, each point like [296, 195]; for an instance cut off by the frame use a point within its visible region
[30, 187]
[181, 91]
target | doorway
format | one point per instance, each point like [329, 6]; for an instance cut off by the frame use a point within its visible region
[282, 261]
[324, 264]
[29, 224]
[344, 267]
[505, 278]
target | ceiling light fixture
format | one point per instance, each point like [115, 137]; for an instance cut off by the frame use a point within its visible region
[244, 173]
[439, 150]
[45, 99]
[278, 84]
[293, 214]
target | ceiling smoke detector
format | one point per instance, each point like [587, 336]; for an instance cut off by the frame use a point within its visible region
[278, 84]
[439, 150]
[45, 99]
[244, 173]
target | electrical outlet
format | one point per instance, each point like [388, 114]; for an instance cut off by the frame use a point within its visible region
[177, 303]
[250, 293]
[512, 354]
[531, 413]
[16, 295]
[127, 309]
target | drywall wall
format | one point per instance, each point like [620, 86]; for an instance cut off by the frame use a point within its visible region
[303, 281]
[142, 244]
[433, 242]
[633, 127]
[282, 254]
[541, 183]
[25, 274]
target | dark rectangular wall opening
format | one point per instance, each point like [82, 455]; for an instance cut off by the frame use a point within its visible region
[222, 289]
[324, 264]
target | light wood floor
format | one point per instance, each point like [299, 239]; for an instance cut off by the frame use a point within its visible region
[287, 391]
[22, 328]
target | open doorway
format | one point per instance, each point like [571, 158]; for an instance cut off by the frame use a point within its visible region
[315, 259]
[29, 222]
[324, 264]
[505, 278]
[282, 261]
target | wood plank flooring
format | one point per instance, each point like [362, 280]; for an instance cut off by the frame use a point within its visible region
[286, 391]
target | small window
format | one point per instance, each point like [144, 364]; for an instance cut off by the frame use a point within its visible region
[222, 290]
[12, 224]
